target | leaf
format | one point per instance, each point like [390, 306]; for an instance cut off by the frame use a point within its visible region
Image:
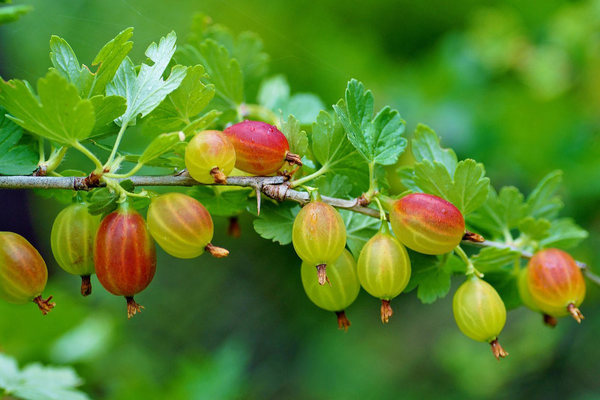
[276, 221]
[274, 92]
[491, 258]
[379, 139]
[13, 12]
[159, 146]
[500, 213]
[506, 284]
[223, 70]
[107, 109]
[359, 229]
[109, 58]
[103, 201]
[430, 275]
[296, 137]
[536, 229]
[542, 202]
[334, 185]
[37, 382]
[65, 61]
[564, 233]
[425, 145]
[222, 203]
[304, 106]
[15, 159]
[147, 89]
[59, 115]
[333, 151]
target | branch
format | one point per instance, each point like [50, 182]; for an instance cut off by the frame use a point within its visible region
[275, 187]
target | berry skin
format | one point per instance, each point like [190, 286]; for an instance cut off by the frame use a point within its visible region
[209, 157]
[384, 269]
[124, 255]
[182, 226]
[480, 313]
[261, 149]
[23, 272]
[319, 236]
[427, 224]
[528, 301]
[341, 293]
[72, 241]
[556, 283]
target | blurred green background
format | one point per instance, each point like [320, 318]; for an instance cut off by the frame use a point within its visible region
[513, 84]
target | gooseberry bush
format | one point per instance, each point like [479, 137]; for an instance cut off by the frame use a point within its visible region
[227, 138]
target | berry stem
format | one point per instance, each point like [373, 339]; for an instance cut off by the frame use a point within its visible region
[386, 311]
[297, 182]
[293, 159]
[219, 176]
[342, 320]
[113, 153]
[132, 307]
[322, 274]
[44, 305]
[550, 320]
[575, 313]
[218, 252]
[497, 350]
[86, 285]
[471, 270]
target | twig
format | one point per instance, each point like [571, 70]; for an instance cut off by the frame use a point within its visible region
[275, 187]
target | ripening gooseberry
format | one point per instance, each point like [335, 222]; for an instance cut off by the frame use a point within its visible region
[384, 269]
[182, 226]
[528, 301]
[480, 313]
[209, 157]
[319, 236]
[124, 255]
[23, 272]
[556, 283]
[427, 224]
[341, 293]
[72, 241]
[261, 149]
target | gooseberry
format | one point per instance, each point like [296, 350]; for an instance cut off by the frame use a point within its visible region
[528, 301]
[319, 236]
[384, 269]
[261, 149]
[209, 157]
[556, 283]
[124, 255]
[182, 226]
[23, 272]
[341, 293]
[72, 241]
[427, 224]
[480, 313]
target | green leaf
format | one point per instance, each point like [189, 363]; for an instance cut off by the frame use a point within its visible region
[107, 109]
[431, 275]
[160, 145]
[147, 89]
[59, 115]
[467, 191]
[304, 106]
[500, 213]
[109, 58]
[16, 157]
[491, 258]
[359, 229]
[276, 221]
[425, 145]
[564, 233]
[222, 203]
[37, 382]
[334, 185]
[335, 153]
[101, 201]
[60, 195]
[13, 13]
[223, 70]
[543, 202]
[274, 92]
[65, 61]
[296, 137]
[506, 284]
[536, 229]
[379, 139]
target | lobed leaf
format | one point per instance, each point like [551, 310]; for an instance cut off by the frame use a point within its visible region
[359, 229]
[491, 258]
[222, 203]
[425, 145]
[297, 138]
[16, 156]
[275, 221]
